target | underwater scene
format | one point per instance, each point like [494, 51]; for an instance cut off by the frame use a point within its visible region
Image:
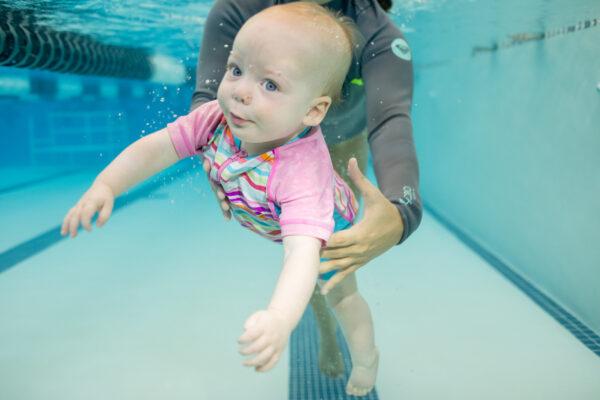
[148, 149]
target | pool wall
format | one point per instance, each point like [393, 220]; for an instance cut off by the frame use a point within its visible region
[508, 143]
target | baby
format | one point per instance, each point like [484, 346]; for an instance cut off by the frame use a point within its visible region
[266, 150]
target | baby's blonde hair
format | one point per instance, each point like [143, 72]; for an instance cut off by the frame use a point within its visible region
[339, 38]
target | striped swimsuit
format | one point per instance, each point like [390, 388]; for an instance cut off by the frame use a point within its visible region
[247, 181]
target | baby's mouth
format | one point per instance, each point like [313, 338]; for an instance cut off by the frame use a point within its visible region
[238, 120]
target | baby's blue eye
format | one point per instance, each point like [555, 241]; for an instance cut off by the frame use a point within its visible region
[270, 86]
[233, 69]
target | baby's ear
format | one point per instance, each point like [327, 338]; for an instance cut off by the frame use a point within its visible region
[317, 111]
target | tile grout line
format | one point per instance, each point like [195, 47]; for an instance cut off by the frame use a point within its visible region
[560, 314]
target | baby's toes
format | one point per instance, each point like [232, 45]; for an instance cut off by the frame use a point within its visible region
[356, 391]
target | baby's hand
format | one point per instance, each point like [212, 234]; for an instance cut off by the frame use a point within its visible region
[99, 197]
[267, 333]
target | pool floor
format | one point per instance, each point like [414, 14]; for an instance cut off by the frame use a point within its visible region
[150, 307]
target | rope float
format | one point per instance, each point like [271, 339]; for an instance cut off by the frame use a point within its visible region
[26, 44]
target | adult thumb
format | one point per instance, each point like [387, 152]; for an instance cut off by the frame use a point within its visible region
[361, 182]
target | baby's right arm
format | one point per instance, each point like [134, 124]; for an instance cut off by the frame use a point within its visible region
[140, 160]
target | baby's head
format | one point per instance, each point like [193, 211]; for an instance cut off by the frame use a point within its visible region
[287, 65]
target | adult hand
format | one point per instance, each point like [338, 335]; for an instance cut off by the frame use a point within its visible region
[380, 228]
[218, 191]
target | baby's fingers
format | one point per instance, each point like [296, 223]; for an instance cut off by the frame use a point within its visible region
[66, 221]
[105, 212]
[74, 222]
[87, 212]
[270, 364]
[261, 359]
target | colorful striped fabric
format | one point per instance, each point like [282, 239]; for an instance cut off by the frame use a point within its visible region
[244, 181]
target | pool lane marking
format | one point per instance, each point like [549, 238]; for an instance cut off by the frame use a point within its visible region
[581, 331]
[24, 250]
[306, 381]
[33, 182]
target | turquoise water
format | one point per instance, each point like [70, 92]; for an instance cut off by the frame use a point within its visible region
[494, 296]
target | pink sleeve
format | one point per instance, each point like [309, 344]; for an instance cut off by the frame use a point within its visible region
[302, 185]
[192, 131]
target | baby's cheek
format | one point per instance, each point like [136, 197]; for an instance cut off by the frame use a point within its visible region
[222, 94]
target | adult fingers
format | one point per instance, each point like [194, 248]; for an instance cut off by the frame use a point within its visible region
[337, 278]
[338, 252]
[339, 264]
[343, 238]
[221, 199]
[225, 206]
[218, 191]
[206, 166]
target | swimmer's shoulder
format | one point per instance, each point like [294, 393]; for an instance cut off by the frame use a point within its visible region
[238, 11]
[372, 19]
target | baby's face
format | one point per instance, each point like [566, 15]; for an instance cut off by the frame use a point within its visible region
[267, 91]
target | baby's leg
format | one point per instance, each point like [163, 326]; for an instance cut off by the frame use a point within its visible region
[353, 314]
[331, 362]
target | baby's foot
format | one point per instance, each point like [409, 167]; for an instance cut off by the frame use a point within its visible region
[331, 362]
[362, 378]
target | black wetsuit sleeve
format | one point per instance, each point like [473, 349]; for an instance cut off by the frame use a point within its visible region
[388, 83]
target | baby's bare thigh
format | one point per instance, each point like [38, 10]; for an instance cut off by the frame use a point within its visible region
[343, 289]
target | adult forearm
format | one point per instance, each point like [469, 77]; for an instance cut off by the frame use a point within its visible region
[397, 170]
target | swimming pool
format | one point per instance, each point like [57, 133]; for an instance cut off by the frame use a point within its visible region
[506, 114]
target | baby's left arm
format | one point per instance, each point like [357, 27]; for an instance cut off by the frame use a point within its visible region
[267, 331]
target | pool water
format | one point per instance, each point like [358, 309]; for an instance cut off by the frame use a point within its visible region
[494, 296]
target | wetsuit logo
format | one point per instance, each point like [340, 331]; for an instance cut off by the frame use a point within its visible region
[401, 50]
[409, 196]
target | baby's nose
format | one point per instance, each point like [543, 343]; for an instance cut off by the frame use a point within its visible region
[244, 98]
